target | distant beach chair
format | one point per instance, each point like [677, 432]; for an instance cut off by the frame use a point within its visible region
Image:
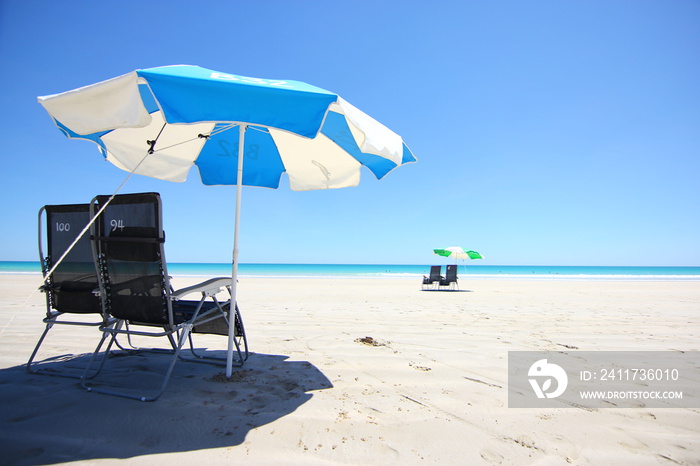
[72, 296]
[434, 279]
[450, 279]
[128, 241]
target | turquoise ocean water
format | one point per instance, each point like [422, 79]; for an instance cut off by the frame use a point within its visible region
[408, 271]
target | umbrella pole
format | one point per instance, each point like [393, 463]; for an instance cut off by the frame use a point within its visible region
[234, 266]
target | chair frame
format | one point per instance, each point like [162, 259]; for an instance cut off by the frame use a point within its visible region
[433, 280]
[55, 314]
[450, 280]
[177, 330]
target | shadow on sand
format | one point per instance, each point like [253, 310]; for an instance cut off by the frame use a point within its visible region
[448, 290]
[46, 420]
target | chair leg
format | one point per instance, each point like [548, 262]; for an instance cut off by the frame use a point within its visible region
[79, 373]
[183, 336]
[238, 341]
[109, 331]
[243, 337]
[36, 350]
[85, 376]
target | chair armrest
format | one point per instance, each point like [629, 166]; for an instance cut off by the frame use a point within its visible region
[208, 288]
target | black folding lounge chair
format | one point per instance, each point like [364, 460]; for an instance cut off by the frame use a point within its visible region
[434, 278]
[71, 290]
[450, 279]
[128, 244]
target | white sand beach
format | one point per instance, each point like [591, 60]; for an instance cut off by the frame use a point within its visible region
[431, 389]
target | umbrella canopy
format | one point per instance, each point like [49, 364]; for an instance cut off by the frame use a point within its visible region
[159, 122]
[457, 253]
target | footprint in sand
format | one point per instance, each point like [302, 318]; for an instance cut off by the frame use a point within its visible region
[491, 456]
[419, 368]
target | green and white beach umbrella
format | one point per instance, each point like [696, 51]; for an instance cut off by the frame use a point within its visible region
[458, 253]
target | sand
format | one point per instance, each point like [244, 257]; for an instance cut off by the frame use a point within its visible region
[359, 371]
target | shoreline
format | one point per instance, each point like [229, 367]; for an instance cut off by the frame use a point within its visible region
[469, 271]
[433, 389]
[418, 277]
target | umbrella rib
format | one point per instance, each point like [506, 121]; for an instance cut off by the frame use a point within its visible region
[199, 136]
[223, 128]
[152, 143]
[260, 130]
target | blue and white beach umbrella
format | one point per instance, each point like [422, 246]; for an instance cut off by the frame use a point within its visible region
[159, 122]
[183, 116]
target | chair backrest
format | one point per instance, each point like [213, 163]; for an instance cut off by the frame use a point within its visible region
[451, 273]
[435, 271]
[128, 240]
[71, 286]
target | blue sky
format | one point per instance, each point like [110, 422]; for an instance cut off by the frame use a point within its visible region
[547, 132]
